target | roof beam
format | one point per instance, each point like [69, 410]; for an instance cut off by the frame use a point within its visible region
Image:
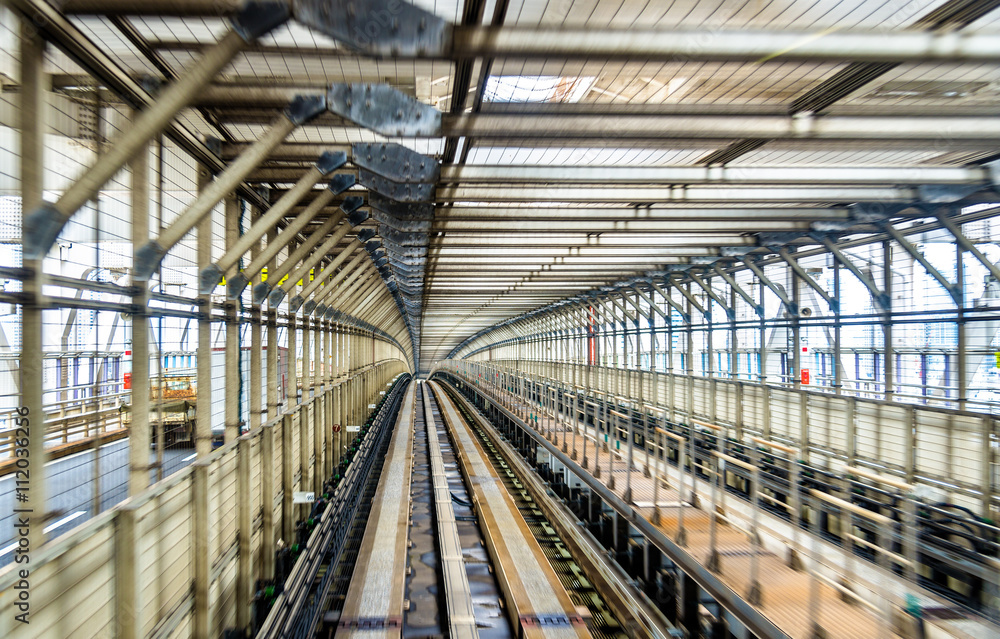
[756, 174]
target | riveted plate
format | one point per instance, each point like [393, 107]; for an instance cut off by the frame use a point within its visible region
[395, 162]
[401, 210]
[383, 109]
[378, 27]
[403, 192]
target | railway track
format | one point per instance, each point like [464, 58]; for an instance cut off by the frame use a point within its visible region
[451, 540]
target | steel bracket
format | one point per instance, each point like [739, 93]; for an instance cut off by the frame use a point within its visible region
[388, 28]
[260, 292]
[210, 276]
[409, 226]
[303, 108]
[396, 162]
[275, 297]
[793, 308]
[402, 239]
[147, 260]
[402, 210]
[351, 204]
[308, 307]
[422, 192]
[868, 212]
[341, 182]
[293, 304]
[946, 193]
[357, 218]
[320, 310]
[384, 110]
[41, 228]
[235, 285]
[770, 240]
[257, 17]
[330, 161]
[364, 235]
[734, 251]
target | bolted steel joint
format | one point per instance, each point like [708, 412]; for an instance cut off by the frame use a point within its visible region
[258, 17]
[304, 108]
[330, 161]
[235, 286]
[147, 260]
[210, 277]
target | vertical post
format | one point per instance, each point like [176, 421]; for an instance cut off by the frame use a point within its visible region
[203, 409]
[689, 372]
[306, 412]
[755, 594]
[889, 363]
[232, 395]
[32, 113]
[837, 372]
[292, 390]
[244, 567]
[272, 346]
[128, 606]
[267, 501]
[320, 426]
[963, 385]
[690, 618]
[714, 561]
[139, 431]
[256, 381]
[287, 478]
[200, 547]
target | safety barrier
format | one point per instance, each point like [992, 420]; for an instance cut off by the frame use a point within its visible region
[170, 562]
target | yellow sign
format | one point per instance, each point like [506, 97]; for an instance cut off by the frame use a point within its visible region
[998, 359]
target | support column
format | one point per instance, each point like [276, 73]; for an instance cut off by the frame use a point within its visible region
[244, 565]
[139, 434]
[203, 410]
[201, 561]
[267, 502]
[962, 364]
[254, 394]
[232, 395]
[272, 349]
[318, 414]
[287, 481]
[32, 414]
[889, 370]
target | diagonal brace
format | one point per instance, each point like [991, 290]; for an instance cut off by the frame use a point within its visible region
[301, 109]
[967, 245]
[793, 308]
[212, 273]
[739, 289]
[813, 284]
[952, 289]
[730, 313]
[670, 300]
[651, 303]
[43, 225]
[880, 297]
[691, 298]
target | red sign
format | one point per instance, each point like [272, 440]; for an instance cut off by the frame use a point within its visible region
[336, 428]
[805, 375]
[128, 381]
